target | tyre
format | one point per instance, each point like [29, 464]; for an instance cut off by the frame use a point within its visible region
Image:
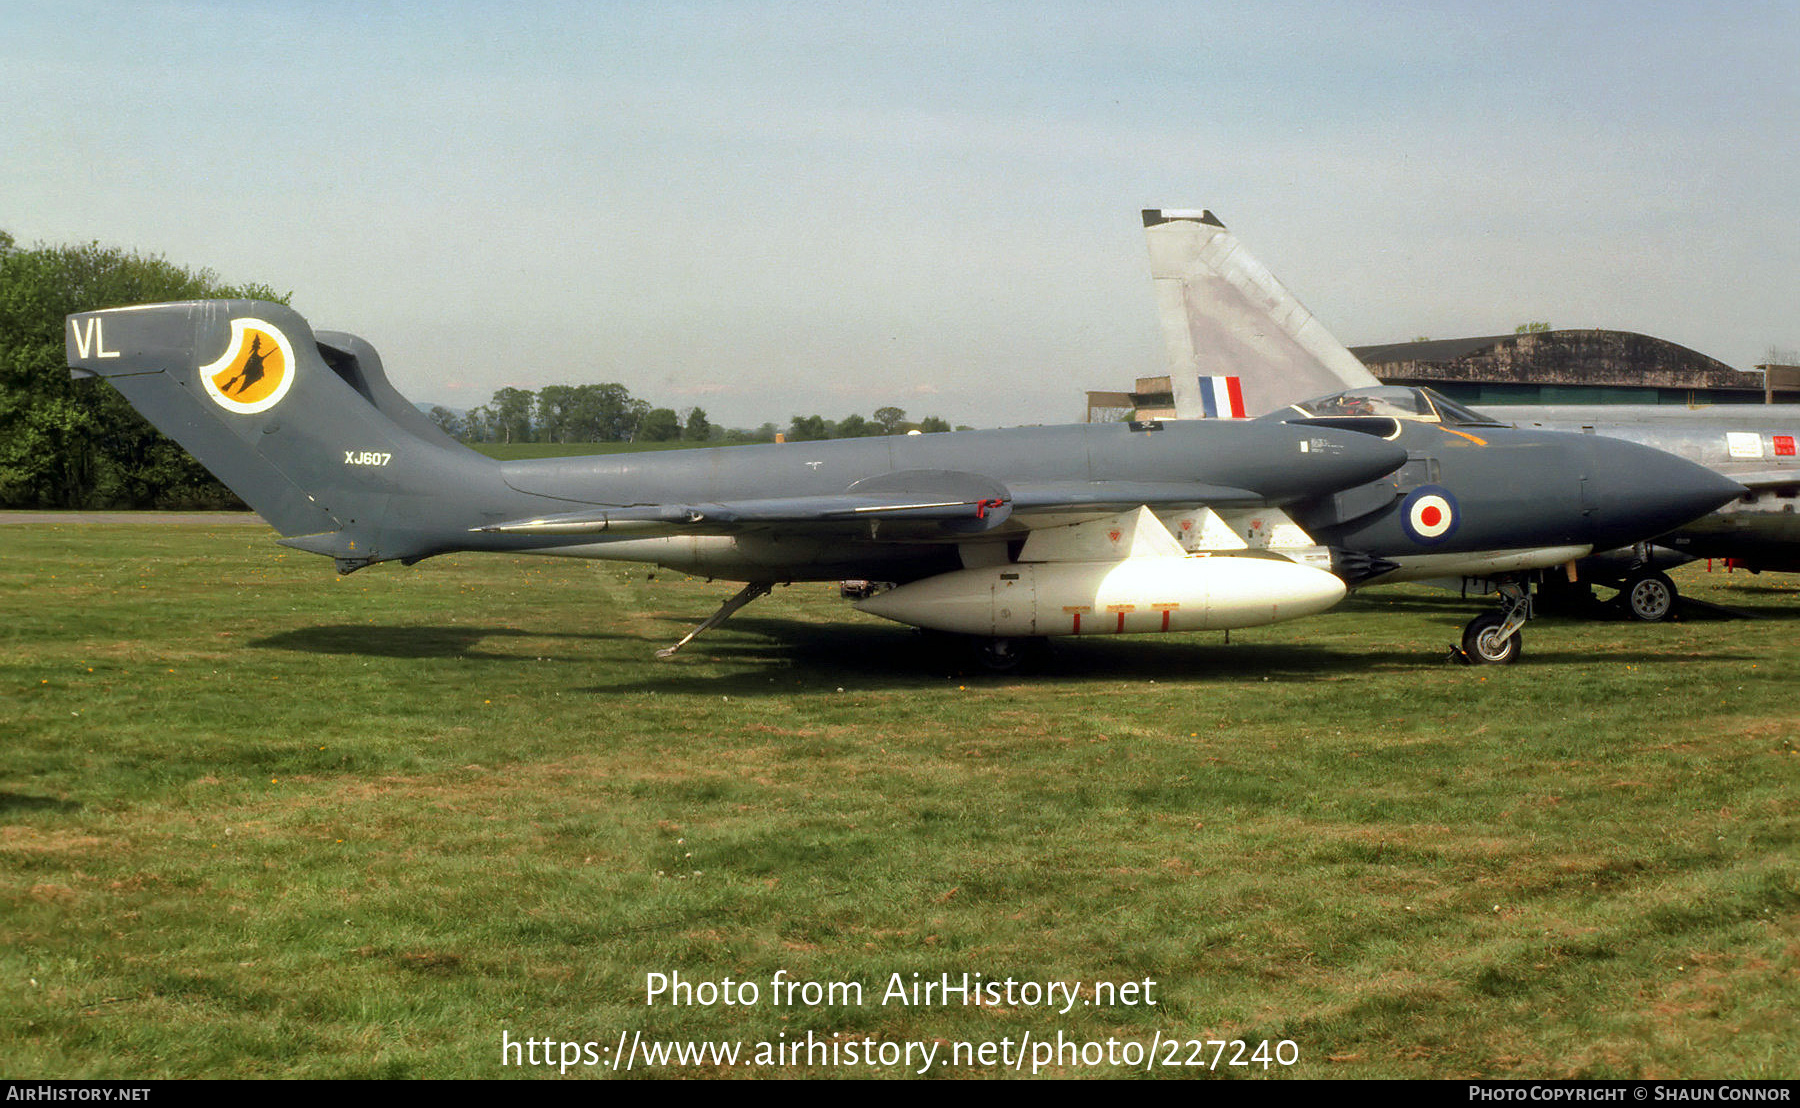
[1001, 655]
[1650, 597]
[1483, 645]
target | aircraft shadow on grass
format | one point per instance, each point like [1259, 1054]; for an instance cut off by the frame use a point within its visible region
[1746, 603]
[19, 802]
[872, 655]
[777, 654]
[768, 655]
[1758, 601]
[409, 642]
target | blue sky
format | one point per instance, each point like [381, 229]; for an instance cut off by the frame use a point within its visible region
[794, 208]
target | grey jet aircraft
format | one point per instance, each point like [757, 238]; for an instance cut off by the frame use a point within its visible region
[1224, 313]
[1001, 536]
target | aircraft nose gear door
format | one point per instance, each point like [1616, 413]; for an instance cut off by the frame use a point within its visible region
[1497, 638]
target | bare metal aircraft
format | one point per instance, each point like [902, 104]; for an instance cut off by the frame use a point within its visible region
[1001, 536]
[1223, 312]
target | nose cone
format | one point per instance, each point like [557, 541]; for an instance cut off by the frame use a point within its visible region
[1638, 493]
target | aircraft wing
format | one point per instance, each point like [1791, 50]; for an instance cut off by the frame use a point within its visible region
[831, 513]
[902, 507]
[1119, 496]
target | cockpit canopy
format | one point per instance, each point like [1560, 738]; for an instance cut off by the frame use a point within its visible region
[1416, 405]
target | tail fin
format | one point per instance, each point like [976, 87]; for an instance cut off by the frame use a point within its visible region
[308, 433]
[1224, 314]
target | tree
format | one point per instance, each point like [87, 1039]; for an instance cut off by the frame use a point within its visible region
[855, 427]
[696, 428]
[449, 422]
[66, 443]
[807, 429]
[583, 413]
[931, 425]
[555, 412]
[483, 425]
[890, 419]
[1533, 328]
[659, 425]
[616, 413]
[512, 415]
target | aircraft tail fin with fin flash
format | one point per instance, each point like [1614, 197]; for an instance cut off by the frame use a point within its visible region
[305, 428]
[1225, 315]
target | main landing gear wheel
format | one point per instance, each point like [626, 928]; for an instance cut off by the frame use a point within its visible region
[1003, 655]
[1484, 642]
[1000, 655]
[1649, 596]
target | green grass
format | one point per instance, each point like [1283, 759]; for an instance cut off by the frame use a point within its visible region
[259, 821]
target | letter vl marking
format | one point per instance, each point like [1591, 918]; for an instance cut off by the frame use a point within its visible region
[92, 337]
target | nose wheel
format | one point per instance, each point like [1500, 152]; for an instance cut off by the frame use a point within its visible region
[1496, 638]
[1486, 641]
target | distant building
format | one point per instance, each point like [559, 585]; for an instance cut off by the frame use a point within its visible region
[1570, 367]
[1780, 380]
[1539, 367]
[1154, 398]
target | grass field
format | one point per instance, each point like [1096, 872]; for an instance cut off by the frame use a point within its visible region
[256, 821]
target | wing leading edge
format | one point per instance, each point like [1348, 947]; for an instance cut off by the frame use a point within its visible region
[902, 510]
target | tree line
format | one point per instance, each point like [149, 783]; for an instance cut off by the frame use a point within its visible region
[572, 413]
[609, 413]
[77, 444]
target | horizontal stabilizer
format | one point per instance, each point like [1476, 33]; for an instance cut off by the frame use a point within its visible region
[354, 360]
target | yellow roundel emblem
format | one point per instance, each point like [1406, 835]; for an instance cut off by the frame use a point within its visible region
[255, 371]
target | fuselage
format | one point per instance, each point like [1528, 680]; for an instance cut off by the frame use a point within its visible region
[1053, 475]
[1755, 443]
[1477, 501]
[1431, 500]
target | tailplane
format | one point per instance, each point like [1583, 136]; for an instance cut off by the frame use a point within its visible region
[305, 428]
[1223, 314]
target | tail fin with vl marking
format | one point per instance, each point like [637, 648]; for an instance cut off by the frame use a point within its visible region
[305, 428]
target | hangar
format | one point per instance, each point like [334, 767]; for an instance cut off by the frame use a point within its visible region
[1535, 367]
[1568, 367]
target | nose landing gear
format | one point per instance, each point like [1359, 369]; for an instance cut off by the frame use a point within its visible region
[1496, 638]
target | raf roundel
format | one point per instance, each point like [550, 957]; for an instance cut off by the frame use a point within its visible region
[1429, 515]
